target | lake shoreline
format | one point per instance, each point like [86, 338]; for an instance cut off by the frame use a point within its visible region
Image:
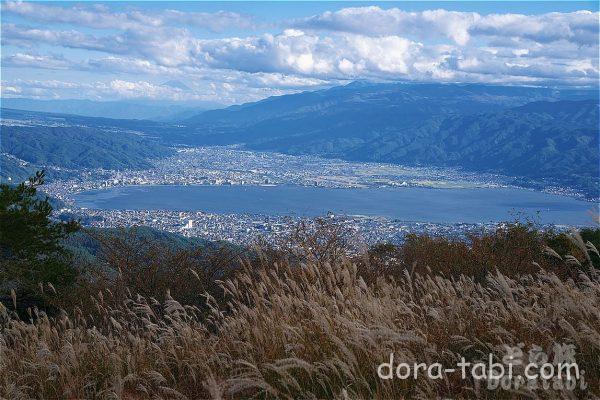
[461, 204]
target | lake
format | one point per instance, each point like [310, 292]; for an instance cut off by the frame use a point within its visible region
[409, 204]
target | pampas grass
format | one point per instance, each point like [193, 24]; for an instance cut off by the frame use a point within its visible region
[311, 331]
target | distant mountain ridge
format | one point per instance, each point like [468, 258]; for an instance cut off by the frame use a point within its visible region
[406, 97]
[74, 142]
[539, 134]
[165, 111]
[536, 133]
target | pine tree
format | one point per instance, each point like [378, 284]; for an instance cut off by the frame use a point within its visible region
[31, 250]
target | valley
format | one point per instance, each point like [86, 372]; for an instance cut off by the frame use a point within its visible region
[224, 192]
[363, 138]
[542, 137]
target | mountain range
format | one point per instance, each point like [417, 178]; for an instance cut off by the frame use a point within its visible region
[534, 134]
[126, 109]
[74, 142]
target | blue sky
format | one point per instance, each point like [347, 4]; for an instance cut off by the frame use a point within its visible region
[233, 52]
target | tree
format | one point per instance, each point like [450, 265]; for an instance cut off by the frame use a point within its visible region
[31, 253]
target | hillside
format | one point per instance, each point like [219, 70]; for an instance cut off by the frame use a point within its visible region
[88, 244]
[534, 133]
[312, 321]
[540, 140]
[14, 168]
[359, 95]
[73, 142]
[394, 104]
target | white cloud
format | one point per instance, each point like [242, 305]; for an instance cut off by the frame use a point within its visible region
[232, 88]
[101, 17]
[335, 56]
[280, 81]
[137, 89]
[45, 61]
[579, 27]
[310, 55]
[111, 89]
[348, 56]
[47, 84]
[127, 65]
[327, 49]
[167, 47]
[374, 21]
[9, 90]
[215, 22]
[30, 37]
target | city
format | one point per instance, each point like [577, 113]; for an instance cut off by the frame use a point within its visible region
[231, 165]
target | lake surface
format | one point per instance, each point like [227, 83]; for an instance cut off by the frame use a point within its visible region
[409, 204]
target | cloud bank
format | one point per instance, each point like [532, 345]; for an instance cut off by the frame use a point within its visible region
[316, 51]
[578, 27]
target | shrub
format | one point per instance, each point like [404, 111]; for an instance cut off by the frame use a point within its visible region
[514, 250]
[127, 261]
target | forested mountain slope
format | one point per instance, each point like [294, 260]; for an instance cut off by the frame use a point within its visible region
[534, 133]
[48, 139]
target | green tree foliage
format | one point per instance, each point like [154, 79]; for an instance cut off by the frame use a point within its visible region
[31, 253]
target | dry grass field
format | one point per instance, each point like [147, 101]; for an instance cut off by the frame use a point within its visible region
[307, 327]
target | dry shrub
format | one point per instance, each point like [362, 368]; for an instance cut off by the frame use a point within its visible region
[318, 241]
[514, 250]
[128, 263]
[309, 331]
